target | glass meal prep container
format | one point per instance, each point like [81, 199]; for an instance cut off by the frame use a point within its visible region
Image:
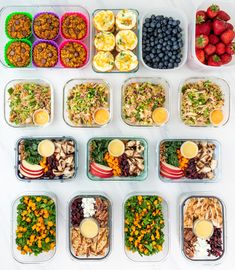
[117, 159]
[228, 7]
[34, 226]
[53, 39]
[202, 228]
[46, 158]
[90, 227]
[189, 160]
[115, 42]
[204, 102]
[145, 227]
[28, 103]
[87, 103]
[176, 14]
[142, 98]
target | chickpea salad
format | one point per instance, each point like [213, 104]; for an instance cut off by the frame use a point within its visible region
[36, 225]
[202, 103]
[144, 224]
[88, 104]
[140, 99]
[29, 102]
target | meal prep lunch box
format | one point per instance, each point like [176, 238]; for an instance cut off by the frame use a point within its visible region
[145, 219]
[116, 52]
[23, 244]
[85, 100]
[24, 98]
[90, 227]
[137, 110]
[173, 167]
[199, 100]
[49, 44]
[202, 228]
[46, 159]
[117, 159]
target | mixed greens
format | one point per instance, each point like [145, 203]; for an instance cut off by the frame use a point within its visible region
[98, 150]
[36, 225]
[140, 99]
[198, 100]
[170, 152]
[144, 224]
[31, 151]
[25, 98]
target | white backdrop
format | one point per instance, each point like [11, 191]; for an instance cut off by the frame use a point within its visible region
[11, 187]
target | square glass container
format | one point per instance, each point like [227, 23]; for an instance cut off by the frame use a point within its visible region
[152, 80]
[91, 256]
[202, 197]
[142, 176]
[30, 259]
[63, 154]
[115, 31]
[161, 255]
[225, 89]
[67, 89]
[184, 179]
[7, 109]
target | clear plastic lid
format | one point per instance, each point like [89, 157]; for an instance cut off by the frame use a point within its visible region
[31, 258]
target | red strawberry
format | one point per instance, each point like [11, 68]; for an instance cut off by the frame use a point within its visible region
[220, 48]
[201, 41]
[230, 48]
[227, 36]
[203, 28]
[226, 58]
[200, 16]
[200, 55]
[219, 27]
[210, 49]
[230, 26]
[222, 15]
[213, 39]
[214, 60]
[212, 11]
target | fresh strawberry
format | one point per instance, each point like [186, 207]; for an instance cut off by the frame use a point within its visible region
[200, 55]
[219, 26]
[228, 36]
[213, 39]
[203, 28]
[230, 26]
[230, 48]
[226, 58]
[210, 49]
[214, 60]
[222, 15]
[200, 16]
[212, 11]
[220, 48]
[201, 41]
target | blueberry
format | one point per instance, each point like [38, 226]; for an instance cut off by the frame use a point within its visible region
[152, 24]
[160, 65]
[147, 20]
[159, 46]
[174, 31]
[150, 29]
[170, 65]
[152, 44]
[146, 25]
[161, 55]
[153, 17]
[148, 49]
[158, 25]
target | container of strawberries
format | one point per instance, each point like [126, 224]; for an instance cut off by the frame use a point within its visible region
[213, 35]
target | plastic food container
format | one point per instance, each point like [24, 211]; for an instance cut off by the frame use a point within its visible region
[34, 11]
[175, 13]
[197, 244]
[91, 108]
[227, 6]
[152, 80]
[208, 166]
[130, 150]
[95, 208]
[115, 51]
[225, 89]
[162, 246]
[35, 156]
[7, 110]
[31, 258]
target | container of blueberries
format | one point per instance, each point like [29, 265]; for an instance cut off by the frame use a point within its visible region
[164, 35]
